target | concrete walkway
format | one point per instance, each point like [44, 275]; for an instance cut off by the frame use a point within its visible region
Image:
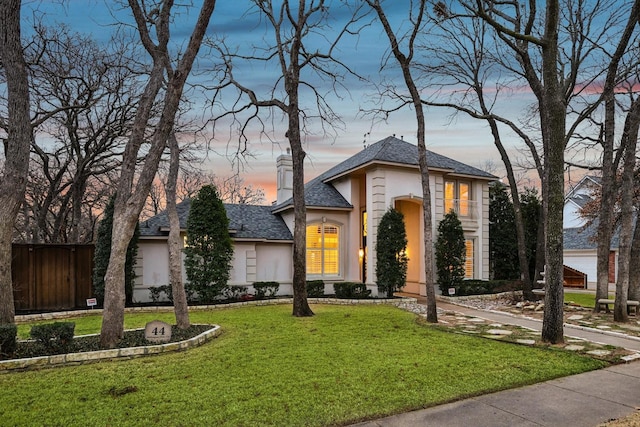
[586, 399]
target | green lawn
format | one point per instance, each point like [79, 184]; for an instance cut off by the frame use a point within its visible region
[346, 364]
[583, 299]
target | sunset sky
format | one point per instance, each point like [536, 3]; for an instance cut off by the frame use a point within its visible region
[461, 138]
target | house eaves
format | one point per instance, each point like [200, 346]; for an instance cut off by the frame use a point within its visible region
[249, 222]
[394, 151]
[391, 151]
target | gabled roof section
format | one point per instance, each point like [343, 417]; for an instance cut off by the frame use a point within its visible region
[320, 193]
[250, 222]
[580, 200]
[392, 150]
[586, 185]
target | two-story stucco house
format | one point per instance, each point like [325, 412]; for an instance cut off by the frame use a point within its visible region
[344, 206]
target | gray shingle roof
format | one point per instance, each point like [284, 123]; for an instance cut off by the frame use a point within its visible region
[394, 150]
[581, 199]
[585, 237]
[251, 222]
[320, 193]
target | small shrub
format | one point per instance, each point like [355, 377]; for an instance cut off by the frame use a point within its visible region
[235, 292]
[8, 341]
[56, 335]
[156, 291]
[266, 289]
[315, 288]
[351, 290]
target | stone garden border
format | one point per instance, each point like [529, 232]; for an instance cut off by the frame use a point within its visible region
[133, 352]
[99, 355]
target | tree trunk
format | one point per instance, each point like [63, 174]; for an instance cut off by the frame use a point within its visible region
[180, 306]
[554, 126]
[300, 304]
[13, 179]
[131, 198]
[629, 142]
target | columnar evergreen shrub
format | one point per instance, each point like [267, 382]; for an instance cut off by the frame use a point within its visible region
[450, 253]
[8, 341]
[531, 214]
[503, 241]
[391, 247]
[209, 249]
[103, 253]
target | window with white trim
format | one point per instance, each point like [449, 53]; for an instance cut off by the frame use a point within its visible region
[457, 196]
[323, 249]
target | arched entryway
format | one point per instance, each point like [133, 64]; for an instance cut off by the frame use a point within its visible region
[411, 208]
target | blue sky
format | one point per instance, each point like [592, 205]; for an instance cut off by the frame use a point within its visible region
[461, 138]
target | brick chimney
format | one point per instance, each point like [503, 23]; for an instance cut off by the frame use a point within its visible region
[284, 165]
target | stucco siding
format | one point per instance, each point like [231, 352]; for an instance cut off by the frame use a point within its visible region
[153, 267]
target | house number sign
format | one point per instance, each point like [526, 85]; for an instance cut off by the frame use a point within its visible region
[157, 331]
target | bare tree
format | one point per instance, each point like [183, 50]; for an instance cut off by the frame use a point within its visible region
[520, 33]
[19, 133]
[405, 56]
[611, 160]
[630, 139]
[552, 48]
[292, 24]
[231, 189]
[462, 62]
[131, 195]
[94, 90]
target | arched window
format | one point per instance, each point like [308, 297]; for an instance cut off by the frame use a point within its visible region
[323, 250]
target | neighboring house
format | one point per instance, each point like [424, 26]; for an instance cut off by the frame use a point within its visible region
[344, 206]
[580, 249]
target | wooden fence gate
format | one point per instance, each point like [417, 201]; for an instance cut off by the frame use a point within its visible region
[51, 277]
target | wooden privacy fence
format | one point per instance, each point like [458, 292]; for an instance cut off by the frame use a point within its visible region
[51, 276]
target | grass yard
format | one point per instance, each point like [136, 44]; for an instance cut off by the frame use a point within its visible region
[347, 363]
[582, 299]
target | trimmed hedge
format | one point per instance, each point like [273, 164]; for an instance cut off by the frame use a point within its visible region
[235, 292]
[483, 287]
[8, 342]
[351, 290]
[56, 335]
[266, 289]
[315, 288]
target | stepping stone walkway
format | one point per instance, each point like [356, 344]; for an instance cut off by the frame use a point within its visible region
[574, 347]
[599, 352]
[499, 332]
